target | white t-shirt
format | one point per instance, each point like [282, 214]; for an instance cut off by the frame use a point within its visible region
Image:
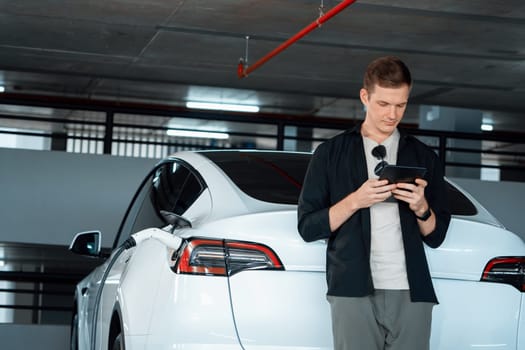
[387, 253]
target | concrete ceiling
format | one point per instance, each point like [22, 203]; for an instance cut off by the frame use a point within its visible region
[468, 54]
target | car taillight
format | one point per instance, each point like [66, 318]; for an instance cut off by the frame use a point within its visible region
[509, 270]
[223, 258]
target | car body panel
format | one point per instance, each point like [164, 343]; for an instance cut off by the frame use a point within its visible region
[276, 229]
[108, 297]
[139, 283]
[86, 295]
[281, 310]
[201, 210]
[192, 312]
[521, 328]
[468, 247]
[469, 316]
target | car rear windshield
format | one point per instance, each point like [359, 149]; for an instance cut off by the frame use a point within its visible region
[278, 177]
[267, 176]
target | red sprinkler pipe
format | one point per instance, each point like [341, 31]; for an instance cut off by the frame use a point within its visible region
[243, 71]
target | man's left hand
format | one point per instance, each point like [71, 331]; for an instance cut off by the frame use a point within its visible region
[413, 194]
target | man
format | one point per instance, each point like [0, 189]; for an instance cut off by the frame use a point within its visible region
[379, 286]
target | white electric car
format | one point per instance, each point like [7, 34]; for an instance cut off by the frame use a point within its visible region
[208, 257]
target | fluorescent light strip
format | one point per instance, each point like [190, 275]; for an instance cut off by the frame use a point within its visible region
[223, 107]
[487, 127]
[197, 134]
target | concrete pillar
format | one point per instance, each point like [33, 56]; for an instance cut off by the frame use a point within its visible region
[59, 141]
[298, 145]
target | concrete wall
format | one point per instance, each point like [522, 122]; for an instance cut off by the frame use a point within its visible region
[42, 337]
[47, 197]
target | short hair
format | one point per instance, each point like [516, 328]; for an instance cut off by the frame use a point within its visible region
[388, 72]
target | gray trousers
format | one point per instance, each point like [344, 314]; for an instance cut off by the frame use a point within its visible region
[386, 320]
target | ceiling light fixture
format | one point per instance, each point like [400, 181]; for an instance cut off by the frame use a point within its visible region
[487, 127]
[197, 134]
[223, 107]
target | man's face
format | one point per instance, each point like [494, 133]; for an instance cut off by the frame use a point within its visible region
[385, 107]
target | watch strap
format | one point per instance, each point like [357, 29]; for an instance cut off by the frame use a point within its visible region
[425, 215]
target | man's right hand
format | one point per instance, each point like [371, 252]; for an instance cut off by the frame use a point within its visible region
[371, 192]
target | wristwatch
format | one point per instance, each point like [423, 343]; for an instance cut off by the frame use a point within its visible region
[425, 215]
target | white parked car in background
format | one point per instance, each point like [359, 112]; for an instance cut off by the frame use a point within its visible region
[208, 257]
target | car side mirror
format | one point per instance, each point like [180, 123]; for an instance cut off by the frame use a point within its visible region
[86, 243]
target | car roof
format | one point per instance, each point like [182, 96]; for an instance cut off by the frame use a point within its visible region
[463, 204]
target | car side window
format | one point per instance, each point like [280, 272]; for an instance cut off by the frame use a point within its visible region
[171, 187]
[459, 204]
[189, 194]
[176, 188]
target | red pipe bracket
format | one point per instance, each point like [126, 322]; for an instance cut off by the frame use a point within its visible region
[243, 71]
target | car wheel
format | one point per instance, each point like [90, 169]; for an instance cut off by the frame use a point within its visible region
[73, 340]
[118, 343]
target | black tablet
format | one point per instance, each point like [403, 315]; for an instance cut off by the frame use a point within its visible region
[399, 173]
